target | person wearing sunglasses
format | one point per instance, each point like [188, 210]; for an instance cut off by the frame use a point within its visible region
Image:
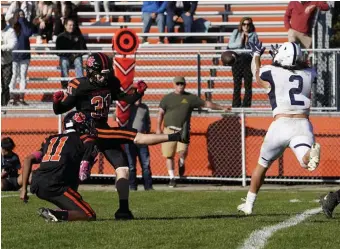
[175, 110]
[241, 69]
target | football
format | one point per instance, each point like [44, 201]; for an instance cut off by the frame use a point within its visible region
[228, 58]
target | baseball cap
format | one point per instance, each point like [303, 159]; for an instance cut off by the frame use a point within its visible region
[179, 79]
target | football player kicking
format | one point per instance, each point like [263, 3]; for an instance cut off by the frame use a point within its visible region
[329, 202]
[288, 83]
[93, 96]
[56, 180]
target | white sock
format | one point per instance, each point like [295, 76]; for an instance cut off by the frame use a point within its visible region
[251, 197]
[181, 160]
[171, 173]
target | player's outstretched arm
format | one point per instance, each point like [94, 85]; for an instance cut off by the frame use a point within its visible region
[28, 162]
[257, 51]
[138, 93]
[63, 102]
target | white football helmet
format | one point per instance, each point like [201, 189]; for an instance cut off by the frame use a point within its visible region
[288, 54]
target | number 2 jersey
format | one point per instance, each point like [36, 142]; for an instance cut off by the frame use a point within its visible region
[60, 157]
[92, 99]
[290, 90]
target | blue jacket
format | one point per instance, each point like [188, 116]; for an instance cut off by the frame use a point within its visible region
[235, 40]
[23, 40]
[154, 6]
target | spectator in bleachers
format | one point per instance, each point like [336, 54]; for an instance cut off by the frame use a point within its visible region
[70, 40]
[242, 67]
[21, 61]
[106, 5]
[43, 20]
[298, 20]
[139, 119]
[153, 11]
[175, 109]
[63, 10]
[25, 6]
[180, 9]
[9, 41]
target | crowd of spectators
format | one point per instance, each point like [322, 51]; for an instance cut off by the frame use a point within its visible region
[57, 22]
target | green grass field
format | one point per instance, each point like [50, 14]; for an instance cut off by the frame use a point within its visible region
[171, 219]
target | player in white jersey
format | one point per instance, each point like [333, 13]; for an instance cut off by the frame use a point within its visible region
[288, 82]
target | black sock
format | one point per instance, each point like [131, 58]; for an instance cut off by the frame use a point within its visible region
[60, 214]
[124, 205]
[175, 136]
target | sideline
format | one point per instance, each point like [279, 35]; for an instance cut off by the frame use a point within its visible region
[259, 238]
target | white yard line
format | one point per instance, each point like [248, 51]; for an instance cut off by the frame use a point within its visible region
[259, 238]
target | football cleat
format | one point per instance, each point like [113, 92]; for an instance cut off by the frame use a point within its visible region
[47, 215]
[123, 215]
[328, 203]
[246, 208]
[314, 157]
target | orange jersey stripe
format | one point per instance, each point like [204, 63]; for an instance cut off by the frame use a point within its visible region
[112, 131]
[115, 137]
[72, 85]
[75, 81]
[84, 202]
[78, 203]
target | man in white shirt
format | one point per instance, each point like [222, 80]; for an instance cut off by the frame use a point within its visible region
[8, 43]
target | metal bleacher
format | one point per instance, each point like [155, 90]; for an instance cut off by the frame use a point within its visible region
[157, 64]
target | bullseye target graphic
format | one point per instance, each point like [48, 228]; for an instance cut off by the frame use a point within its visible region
[125, 41]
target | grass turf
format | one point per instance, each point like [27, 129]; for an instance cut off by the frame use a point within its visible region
[170, 219]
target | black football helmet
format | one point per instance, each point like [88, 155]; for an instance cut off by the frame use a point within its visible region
[79, 122]
[99, 64]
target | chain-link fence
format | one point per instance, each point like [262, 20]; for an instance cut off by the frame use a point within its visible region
[223, 147]
[204, 74]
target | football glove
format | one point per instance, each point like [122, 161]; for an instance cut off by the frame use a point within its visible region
[274, 50]
[141, 87]
[58, 96]
[256, 48]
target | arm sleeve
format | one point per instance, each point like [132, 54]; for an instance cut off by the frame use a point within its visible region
[162, 104]
[69, 100]
[129, 98]
[287, 16]
[10, 11]
[233, 41]
[197, 102]
[12, 41]
[162, 8]
[193, 7]
[25, 26]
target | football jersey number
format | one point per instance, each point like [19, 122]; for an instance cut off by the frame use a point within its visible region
[295, 91]
[102, 106]
[56, 156]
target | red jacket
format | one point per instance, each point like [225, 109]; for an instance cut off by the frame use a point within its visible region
[296, 18]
